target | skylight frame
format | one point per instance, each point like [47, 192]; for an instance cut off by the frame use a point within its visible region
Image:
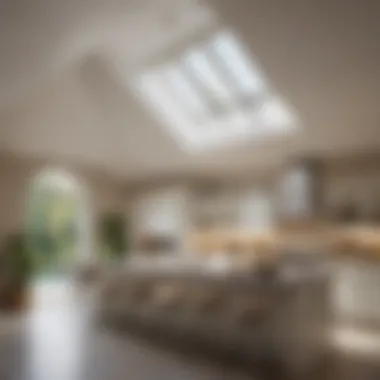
[238, 111]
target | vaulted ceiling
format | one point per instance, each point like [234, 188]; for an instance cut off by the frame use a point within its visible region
[65, 68]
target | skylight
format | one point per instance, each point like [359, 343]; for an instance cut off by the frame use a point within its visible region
[214, 94]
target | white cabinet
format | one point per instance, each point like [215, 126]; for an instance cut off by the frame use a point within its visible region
[256, 211]
[296, 193]
[162, 213]
[244, 207]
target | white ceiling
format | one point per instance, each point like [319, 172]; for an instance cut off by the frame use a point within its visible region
[65, 65]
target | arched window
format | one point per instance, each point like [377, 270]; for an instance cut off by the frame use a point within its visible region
[57, 221]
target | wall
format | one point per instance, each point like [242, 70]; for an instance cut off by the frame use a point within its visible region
[103, 194]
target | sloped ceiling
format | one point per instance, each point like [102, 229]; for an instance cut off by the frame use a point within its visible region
[66, 66]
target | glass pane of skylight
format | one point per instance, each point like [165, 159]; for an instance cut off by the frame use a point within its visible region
[233, 56]
[185, 92]
[154, 90]
[155, 86]
[207, 80]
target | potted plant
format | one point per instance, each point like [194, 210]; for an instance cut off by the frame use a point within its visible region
[16, 270]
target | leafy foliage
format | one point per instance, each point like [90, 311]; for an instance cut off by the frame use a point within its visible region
[52, 227]
[112, 234]
[15, 261]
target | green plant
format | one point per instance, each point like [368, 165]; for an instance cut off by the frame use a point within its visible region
[113, 235]
[16, 260]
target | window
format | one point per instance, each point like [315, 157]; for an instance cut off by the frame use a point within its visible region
[214, 94]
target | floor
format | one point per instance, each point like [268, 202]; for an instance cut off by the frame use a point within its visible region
[59, 339]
